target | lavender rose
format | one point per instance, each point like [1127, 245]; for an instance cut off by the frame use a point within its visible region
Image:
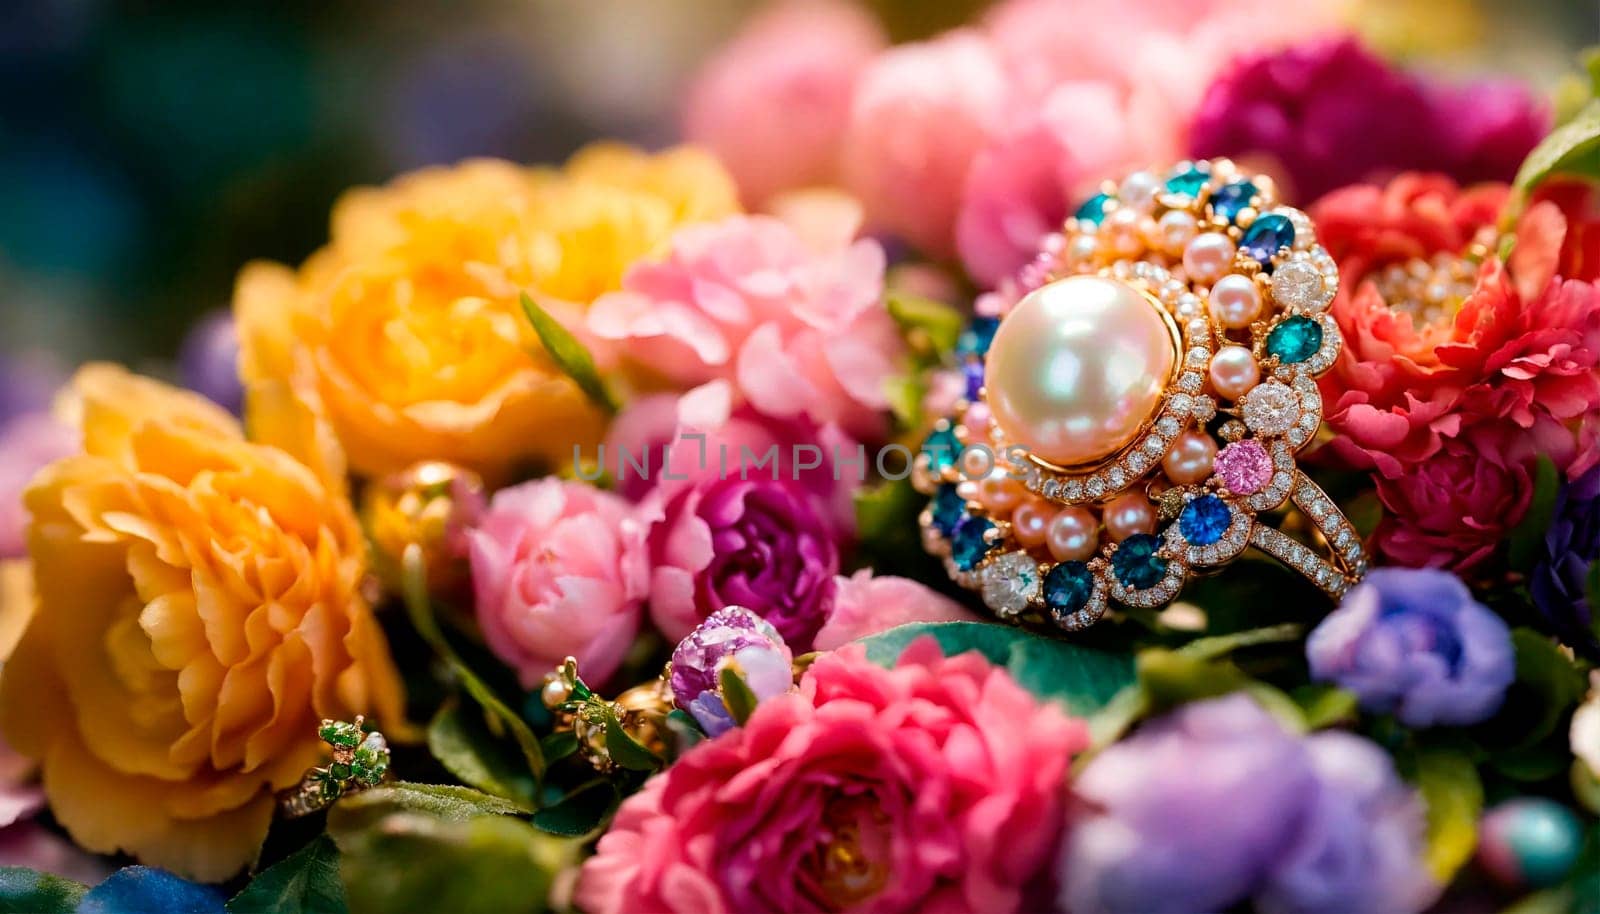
[733, 637]
[1571, 545]
[758, 543]
[1414, 642]
[208, 361]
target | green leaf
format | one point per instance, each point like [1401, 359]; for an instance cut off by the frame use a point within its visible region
[1219, 646]
[460, 740]
[25, 891]
[1573, 148]
[1325, 705]
[442, 852]
[1172, 678]
[1083, 679]
[446, 802]
[305, 882]
[1528, 537]
[1453, 795]
[905, 393]
[580, 812]
[569, 354]
[627, 751]
[930, 327]
[736, 695]
[1548, 684]
[558, 745]
[414, 590]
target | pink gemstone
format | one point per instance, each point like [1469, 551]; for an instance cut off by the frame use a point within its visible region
[1244, 467]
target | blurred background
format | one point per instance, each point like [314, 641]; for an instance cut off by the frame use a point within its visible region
[149, 149]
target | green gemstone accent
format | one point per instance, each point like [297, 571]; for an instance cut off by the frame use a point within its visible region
[339, 771]
[371, 776]
[332, 789]
[340, 733]
[1295, 339]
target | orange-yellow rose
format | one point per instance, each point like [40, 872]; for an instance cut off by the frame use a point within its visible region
[406, 333]
[198, 609]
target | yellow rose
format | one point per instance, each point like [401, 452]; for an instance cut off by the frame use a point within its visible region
[199, 609]
[406, 333]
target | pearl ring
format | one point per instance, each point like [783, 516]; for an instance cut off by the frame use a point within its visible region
[1135, 408]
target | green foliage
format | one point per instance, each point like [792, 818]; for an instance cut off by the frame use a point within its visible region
[305, 882]
[569, 354]
[1547, 686]
[1571, 149]
[1323, 705]
[886, 526]
[25, 891]
[460, 739]
[929, 327]
[626, 751]
[1082, 679]
[736, 695]
[412, 847]
[1453, 795]
[581, 811]
[1527, 538]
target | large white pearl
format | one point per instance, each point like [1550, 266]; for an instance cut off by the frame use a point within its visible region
[1077, 369]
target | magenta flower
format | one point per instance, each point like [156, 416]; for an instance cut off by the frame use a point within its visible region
[558, 569]
[1331, 113]
[939, 785]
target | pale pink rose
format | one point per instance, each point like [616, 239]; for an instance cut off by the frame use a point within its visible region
[558, 569]
[922, 112]
[942, 779]
[800, 335]
[773, 104]
[27, 443]
[866, 605]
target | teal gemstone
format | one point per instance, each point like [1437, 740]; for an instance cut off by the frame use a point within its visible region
[1294, 339]
[1094, 209]
[1541, 838]
[942, 447]
[1204, 520]
[1188, 181]
[968, 543]
[1067, 589]
[1136, 564]
[975, 339]
[947, 509]
[1266, 235]
[1231, 199]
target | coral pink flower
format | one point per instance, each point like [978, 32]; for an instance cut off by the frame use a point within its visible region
[799, 334]
[921, 114]
[1514, 344]
[1454, 509]
[558, 569]
[774, 103]
[866, 605]
[939, 785]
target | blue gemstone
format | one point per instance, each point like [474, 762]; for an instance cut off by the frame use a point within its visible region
[976, 337]
[967, 543]
[973, 371]
[1230, 199]
[942, 447]
[1188, 182]
[1094, 209]
[1067, 589]
[1136, 564]
[947, 508]
[1266, 235]
[1295, 339]
[1204, 520]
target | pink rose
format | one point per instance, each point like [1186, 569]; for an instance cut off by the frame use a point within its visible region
[922, 112]
[866, 605]
[773, 104]
[800, 335]
[558, 569]
[1454, 509]
[939, 785]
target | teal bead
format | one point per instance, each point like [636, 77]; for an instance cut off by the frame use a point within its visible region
[1136, 564]
[1188, 181]
[942, 447]
[969, 542]
[1530, 841]
[1294, 339]
[1094, 209]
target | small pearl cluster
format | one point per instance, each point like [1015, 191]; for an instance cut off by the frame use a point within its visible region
[1255, 332]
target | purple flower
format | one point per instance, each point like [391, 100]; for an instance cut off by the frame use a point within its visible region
[1571, 545]
[1360, 840]
[208, 361]
[27, 383]
[758, 543]
[1217, 802]
[733, 637]
[1414, 642]
[1191, 812]
[1332, 113]
[27, 443]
